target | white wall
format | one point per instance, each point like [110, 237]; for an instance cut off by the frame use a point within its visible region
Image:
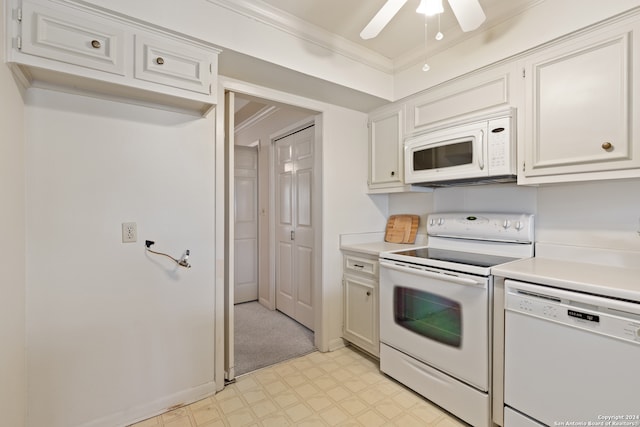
[347, 208]
[12, 248]
[604, 214]
[114, 333]
[508, 198]
[412, 203]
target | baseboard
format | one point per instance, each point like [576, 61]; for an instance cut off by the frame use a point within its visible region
[336, 344]
[157, 407]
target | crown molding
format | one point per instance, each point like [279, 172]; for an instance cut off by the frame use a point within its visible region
[263, 114]
[310, 33]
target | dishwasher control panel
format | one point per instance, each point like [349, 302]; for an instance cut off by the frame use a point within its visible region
[597, 314]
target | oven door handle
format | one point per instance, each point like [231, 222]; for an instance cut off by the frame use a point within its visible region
[433, 275]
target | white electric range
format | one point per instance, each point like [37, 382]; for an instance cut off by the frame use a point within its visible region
[435, 307]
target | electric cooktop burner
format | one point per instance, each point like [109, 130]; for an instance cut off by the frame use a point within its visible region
[475, 259]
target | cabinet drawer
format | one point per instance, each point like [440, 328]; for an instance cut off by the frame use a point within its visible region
[177, 65]
[73, 38]
[359, 265]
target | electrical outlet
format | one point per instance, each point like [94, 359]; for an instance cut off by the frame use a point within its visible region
[129, 232]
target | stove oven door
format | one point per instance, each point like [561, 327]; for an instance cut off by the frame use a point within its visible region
[440, 318]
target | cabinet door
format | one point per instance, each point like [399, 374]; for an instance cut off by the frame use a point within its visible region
[470, 94]
[73, 38]
[385, 149]
[177, 65]
[361, 313]
[580, 99]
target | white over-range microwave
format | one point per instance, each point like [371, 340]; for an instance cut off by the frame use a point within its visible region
[467, 153]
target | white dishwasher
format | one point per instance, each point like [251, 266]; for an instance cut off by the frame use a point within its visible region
[570, 358]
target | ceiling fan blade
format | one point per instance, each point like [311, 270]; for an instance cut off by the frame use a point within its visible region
[468, 12]
[382, 18]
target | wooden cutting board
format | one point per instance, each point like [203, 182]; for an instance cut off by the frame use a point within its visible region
[401, 228]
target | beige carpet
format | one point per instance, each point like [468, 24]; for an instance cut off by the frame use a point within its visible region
[265, 337]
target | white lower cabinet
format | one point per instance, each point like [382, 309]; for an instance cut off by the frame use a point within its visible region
[360, 300]
[580, 102]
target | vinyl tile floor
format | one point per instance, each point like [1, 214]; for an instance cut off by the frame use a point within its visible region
[339, 388]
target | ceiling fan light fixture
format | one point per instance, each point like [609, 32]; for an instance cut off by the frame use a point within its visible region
[430, 7]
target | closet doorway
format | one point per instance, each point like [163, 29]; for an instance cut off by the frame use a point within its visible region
[255, 125]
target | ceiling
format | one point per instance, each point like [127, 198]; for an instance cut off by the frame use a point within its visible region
[402, 40]
[337, 24]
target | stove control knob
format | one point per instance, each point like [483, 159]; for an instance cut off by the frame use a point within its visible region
[519, 225]
[432, 221]
[440, 221]
[506, 224]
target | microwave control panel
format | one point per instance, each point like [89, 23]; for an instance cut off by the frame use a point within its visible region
[499, 137]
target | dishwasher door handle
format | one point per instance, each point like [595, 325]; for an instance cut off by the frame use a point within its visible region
[433, 275]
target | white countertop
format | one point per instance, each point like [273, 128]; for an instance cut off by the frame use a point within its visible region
[373, 243]
[613, 281]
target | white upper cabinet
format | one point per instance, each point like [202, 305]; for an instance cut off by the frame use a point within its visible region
[385, 148]
[175, 65]
[77, 47]
[468, 94]
[386, 151]
[581, 102]
[91, 42]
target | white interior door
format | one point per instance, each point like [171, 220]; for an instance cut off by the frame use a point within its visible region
[294, 225]
[246, 224]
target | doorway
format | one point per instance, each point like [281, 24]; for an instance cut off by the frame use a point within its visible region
[255, 125]
[245, 223]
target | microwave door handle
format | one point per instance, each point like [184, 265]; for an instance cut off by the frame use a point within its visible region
[481, 157]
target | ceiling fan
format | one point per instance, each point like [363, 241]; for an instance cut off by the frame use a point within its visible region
[469, 14]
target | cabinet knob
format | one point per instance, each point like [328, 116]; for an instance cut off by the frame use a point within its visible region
[607, 146]
[368, 293]
[159, 60]
[96, 44]
[393, 173]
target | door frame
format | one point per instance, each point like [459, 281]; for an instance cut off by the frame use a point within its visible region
[223, 210]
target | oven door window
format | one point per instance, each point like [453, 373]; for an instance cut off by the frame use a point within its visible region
[429, 315]
[444, 156]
